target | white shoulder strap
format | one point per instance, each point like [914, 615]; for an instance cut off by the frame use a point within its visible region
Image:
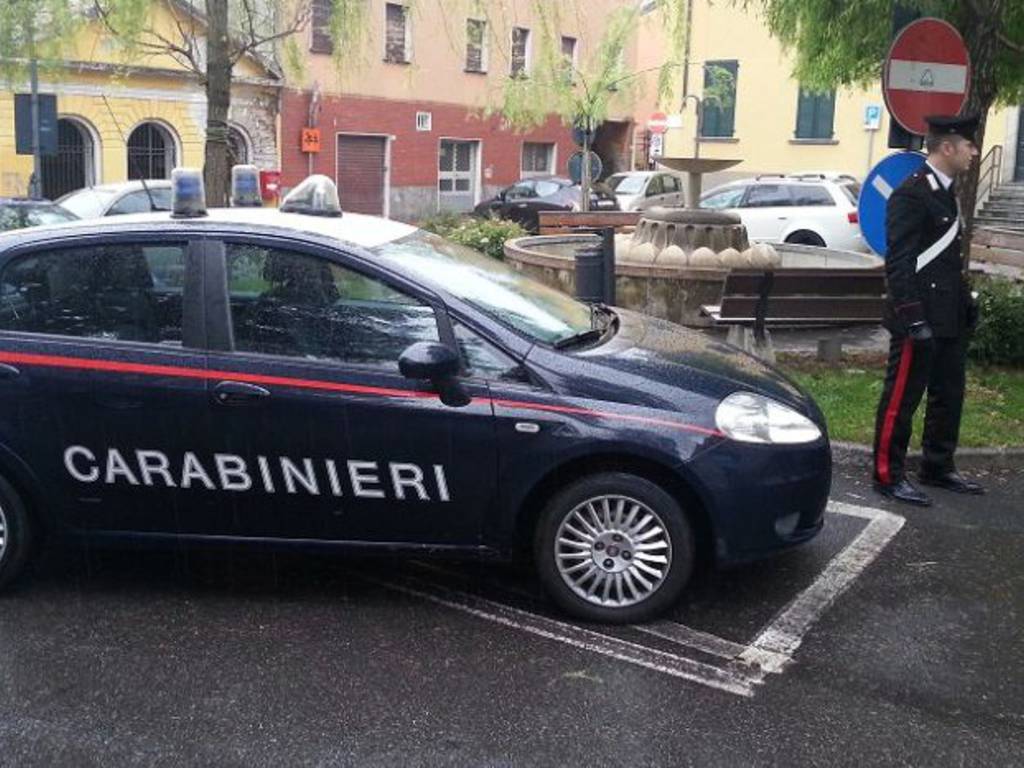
[925, 258]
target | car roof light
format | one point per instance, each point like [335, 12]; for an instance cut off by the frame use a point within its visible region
[245, 187]
[188, 195]
[315, 196]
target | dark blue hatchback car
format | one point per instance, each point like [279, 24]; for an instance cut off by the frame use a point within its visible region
[355, 382]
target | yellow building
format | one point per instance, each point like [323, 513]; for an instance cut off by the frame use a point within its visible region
[122, 119]
[771, 126]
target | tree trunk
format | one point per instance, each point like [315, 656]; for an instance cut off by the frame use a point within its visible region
[217, 172]
[979, 32]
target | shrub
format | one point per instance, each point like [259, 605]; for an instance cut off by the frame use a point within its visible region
[999, 337]
[485, 235]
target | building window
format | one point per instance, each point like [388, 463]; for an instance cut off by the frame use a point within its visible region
[538, 158]
[150, 152]
[320, 25]
[396, 34]
[719, 104]
[569, 56]
[476, 52]
[520, 52]
[814, 114]
[73, 166]
[238, 147]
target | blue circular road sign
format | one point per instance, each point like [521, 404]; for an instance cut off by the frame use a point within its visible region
[576, 167]
[874, 195]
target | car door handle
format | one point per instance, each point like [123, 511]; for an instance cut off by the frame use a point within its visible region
[8, 372]
[238, 393]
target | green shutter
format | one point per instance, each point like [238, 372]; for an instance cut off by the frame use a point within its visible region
[815, 114]
[720, 118]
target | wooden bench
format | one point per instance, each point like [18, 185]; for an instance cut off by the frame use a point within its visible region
[755, 298]
[567, 223]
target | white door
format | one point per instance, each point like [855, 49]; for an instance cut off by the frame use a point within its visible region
[457, 175]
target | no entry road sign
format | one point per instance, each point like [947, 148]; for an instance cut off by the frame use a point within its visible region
[874, 195]
[926, 73]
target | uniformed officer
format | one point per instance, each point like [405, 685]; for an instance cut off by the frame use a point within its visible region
[930, 314]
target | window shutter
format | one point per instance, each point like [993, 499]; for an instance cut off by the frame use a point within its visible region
[720, 116]
[320, 25]
[520, 37]
[475, 45]
[395, 34]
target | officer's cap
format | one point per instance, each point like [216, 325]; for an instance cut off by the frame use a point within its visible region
[950, 125]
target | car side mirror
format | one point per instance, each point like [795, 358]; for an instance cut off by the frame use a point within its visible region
[437, 363]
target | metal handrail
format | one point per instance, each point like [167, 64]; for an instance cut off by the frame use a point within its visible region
[991, 175]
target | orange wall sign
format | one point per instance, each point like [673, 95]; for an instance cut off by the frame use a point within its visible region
[311, 140]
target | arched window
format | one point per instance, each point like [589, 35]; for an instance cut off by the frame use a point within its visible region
[151, 152]
[73, 167]
[238, 147]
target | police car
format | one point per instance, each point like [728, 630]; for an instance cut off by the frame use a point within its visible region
[311, 378]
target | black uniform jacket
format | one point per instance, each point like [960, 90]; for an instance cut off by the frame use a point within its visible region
[918, 214]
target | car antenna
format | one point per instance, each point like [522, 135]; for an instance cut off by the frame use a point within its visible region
[152, 204]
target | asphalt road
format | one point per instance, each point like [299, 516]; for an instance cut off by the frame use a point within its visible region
[224, 658]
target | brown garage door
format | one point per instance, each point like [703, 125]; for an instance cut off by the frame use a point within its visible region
[361, 174]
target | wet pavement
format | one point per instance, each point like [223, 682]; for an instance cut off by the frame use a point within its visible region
[895, 638]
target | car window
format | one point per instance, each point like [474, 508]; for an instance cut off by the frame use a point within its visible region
[545, 188]
[296, 305]
[727, 198]
[483, 359]
[655, 187]
[626, 184]
[131, 292]
[671, 183]
[852, 191]
[87, 203]
[521, 190]
[139, 202]
[21, 215]
[498, 290]
[810, 194]
[767, 196]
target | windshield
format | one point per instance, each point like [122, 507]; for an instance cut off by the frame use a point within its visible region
[852, 191]
[542, 313]
[626, 184]
[18, 216]
[87, 203]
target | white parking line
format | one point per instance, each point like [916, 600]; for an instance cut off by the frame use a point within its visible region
[745, 665]
[777, 643]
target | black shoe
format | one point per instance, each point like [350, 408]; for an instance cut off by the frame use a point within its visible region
[951, 481]
[903, 491]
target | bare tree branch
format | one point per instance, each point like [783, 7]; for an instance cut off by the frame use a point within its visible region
[298, 23]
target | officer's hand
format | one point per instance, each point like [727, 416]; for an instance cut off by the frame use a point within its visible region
[919, 332]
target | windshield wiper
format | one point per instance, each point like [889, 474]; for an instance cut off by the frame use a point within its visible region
[583, 337]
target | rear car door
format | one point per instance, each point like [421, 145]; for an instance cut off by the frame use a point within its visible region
[766, 210]
[329, 440]
[102, 386]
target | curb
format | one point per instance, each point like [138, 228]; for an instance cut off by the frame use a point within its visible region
[1008, 457]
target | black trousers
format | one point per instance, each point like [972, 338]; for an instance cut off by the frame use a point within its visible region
[936, 365]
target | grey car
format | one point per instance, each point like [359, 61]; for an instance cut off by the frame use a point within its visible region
[115, 199]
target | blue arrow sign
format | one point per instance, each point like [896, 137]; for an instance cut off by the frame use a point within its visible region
[874, 195]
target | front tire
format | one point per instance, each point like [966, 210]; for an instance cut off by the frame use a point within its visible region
[16, 534]
[614, 548]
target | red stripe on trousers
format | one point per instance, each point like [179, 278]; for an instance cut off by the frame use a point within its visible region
[895, 401]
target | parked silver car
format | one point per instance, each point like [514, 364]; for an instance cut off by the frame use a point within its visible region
[114, 199]
[640, 190]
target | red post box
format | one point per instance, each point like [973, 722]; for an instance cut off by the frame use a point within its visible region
[270, 184]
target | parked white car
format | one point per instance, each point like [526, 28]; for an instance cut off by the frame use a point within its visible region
[806, 209]
[114, 199]
[640, 190]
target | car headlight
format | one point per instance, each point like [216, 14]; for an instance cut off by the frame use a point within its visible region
[751, 418]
